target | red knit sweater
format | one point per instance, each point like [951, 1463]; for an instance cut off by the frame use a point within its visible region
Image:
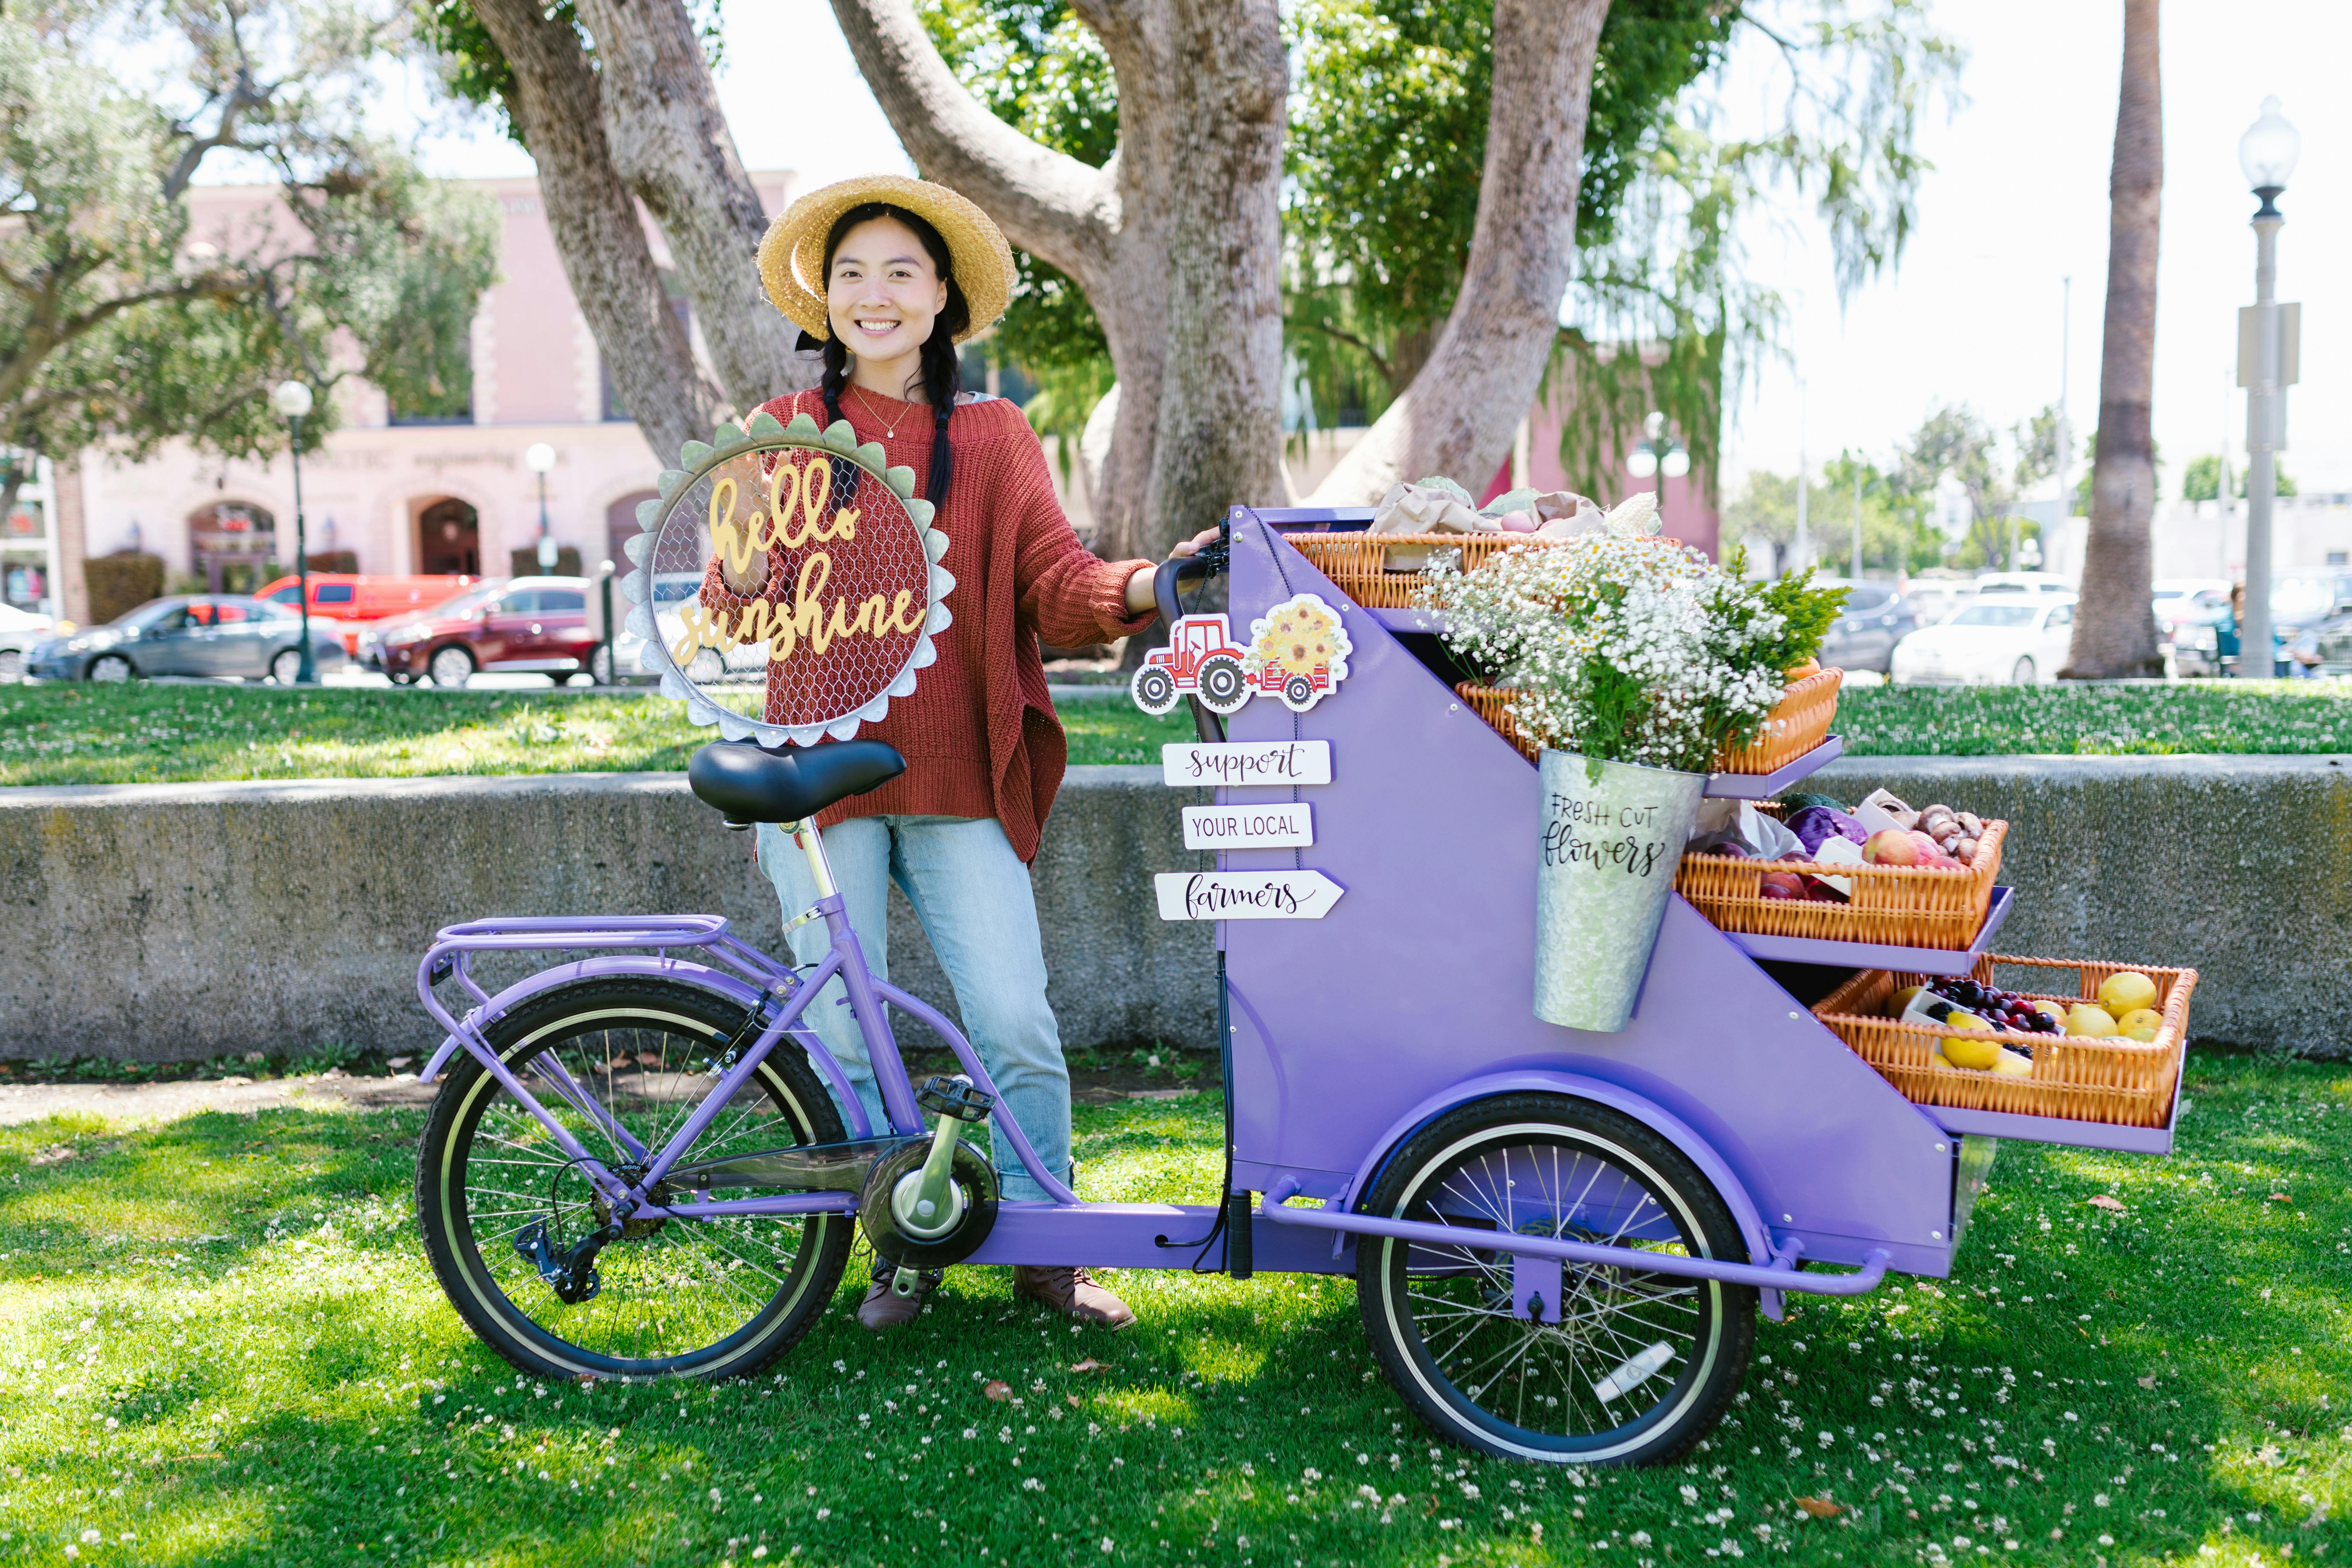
[979, 733]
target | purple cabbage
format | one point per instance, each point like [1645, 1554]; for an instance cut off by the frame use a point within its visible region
[1815, 824]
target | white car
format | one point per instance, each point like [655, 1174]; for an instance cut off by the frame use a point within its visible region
[19, 630]
[1937, 599]
[743, 664]
[2020, 640]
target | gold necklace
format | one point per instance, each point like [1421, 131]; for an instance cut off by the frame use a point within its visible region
[890, 426]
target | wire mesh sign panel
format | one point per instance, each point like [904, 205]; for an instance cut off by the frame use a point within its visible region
[789, 560]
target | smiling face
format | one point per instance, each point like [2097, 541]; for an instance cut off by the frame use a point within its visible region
[882, 294]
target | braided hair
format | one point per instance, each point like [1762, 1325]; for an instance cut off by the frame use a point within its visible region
[940, 375]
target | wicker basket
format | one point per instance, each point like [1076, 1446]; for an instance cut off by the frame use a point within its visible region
[1361, 565]
[1799, 721]
[1898, 906]
[2124, 1083]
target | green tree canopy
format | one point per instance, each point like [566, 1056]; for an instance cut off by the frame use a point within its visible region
[120, 323]
[2201, 480]
[1387, 144]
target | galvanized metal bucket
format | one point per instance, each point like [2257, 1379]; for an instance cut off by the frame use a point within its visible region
[1608, 855]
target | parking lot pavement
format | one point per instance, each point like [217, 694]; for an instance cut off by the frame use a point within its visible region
[22, 1102]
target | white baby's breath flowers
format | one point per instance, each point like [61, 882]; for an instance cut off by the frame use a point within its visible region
[1623, 649]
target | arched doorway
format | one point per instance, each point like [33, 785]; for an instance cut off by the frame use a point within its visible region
[449, 538]
[621, 526]
[232, 545]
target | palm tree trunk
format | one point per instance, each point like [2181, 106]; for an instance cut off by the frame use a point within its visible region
[2114, 628]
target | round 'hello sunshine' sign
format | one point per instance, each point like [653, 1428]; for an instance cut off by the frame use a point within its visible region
[791, 556]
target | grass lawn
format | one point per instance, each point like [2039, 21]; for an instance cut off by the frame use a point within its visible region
[219, 1343]
[180, 733]
[2298, 716]
[155, 734]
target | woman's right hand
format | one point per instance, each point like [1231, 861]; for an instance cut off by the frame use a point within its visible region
[747, 583]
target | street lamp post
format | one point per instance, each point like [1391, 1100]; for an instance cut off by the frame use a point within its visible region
[292, 399]
[2267, 333]
[1658, 454]
[539, 459]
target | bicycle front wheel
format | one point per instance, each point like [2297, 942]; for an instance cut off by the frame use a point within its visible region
[495, 1195]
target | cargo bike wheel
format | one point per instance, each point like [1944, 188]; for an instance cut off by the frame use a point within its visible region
[1638, 1366]
[499, 1202]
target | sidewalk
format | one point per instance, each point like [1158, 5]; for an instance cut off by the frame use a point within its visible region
[165, 1101]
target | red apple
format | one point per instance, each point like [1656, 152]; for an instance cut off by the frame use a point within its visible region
[1891, 847]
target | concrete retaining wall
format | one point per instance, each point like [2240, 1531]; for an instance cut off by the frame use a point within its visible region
[180, 920]
[171, 921]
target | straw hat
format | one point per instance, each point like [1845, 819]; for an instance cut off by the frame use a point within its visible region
[792, 256]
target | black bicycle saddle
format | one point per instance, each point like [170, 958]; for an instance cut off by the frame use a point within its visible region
[750, 784]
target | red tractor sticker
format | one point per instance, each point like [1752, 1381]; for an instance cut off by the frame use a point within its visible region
[1200, 660]
[1299, 653]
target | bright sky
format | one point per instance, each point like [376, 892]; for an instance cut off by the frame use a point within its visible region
[2017, 201]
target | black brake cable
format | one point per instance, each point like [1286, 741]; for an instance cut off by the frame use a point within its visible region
[1220, 556]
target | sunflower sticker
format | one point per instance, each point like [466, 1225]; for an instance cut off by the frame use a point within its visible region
[1299, 651]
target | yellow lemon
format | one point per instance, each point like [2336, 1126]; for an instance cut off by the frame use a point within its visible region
[1975, 1052]
[2090, 1022]
[1896, 1004]
[2140, 1023]
[2126, 992]
[2014, 1065]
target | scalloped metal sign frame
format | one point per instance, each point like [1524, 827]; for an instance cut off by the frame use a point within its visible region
[697, 461]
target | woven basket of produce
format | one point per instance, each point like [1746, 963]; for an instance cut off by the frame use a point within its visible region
[1382, 570]
[1798, 723]
[2108, 1049]
[1899, 906]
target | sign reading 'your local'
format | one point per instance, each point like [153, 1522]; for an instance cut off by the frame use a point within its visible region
[1288, 826]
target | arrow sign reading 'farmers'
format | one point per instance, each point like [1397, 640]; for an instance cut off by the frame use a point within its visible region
[1245, 895]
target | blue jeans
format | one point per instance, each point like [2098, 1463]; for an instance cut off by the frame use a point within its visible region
[972, 894]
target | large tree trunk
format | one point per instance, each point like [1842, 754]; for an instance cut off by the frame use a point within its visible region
[671, 144]
[607, 257]
[2115, 635]
[1201, 86]
[1218, 436]
[1459, 416]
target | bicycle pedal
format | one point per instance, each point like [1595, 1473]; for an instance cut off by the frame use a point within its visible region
[954, 1097]
[905, 1281]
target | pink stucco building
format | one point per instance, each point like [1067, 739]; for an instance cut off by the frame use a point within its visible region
[406, 495]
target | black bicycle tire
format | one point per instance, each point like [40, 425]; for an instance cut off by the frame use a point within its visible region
[477, 1299]
[1379, 1266]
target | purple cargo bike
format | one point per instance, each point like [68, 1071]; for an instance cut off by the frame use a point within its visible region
[644, 1163]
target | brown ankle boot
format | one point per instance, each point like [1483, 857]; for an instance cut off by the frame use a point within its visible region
[1073, 1293]
[884, 1308]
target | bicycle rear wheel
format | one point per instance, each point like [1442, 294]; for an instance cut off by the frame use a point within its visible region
[715, 1297]
[1638, 1366]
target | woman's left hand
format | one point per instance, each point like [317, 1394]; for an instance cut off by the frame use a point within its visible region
[1138, 586]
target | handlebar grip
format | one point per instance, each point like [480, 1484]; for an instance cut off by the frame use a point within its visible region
[1169, 575]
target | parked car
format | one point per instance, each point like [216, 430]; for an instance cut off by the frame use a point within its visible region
[20, 630]
[2324, 647]
[502, 624]
[746, 662]
[2039, 585]
[232, 635]
[1934, 600]
[2189, 601]
[2303, 595]
[2019, 640]
[356, 602]
[1876, 616]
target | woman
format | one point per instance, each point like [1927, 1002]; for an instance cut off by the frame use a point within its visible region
[886, 274]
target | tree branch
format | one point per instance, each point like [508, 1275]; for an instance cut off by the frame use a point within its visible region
[1049, 202]
[670, 141]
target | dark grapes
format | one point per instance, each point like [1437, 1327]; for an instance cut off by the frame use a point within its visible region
[2008, 1009]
